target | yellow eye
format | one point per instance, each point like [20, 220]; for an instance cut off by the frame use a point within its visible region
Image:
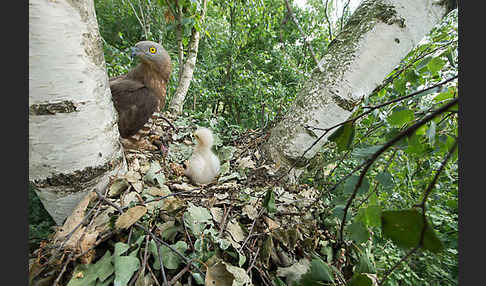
[153, 50]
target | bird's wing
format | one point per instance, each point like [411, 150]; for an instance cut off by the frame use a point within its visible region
[135, 104]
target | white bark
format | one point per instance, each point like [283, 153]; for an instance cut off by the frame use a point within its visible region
[377, 36]
[74, 147]
[177, 102]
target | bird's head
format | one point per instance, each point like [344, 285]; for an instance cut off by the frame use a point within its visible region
[150, 52]
[204, 137]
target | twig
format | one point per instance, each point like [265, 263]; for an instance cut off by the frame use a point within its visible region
[391, 78]
[170, 123]
[179, 275]
[153, 275]
[223, 221]
[412, 94]
[328, 21]
[56, 282]
[344, 11]
[160, 259]
[187, 234]
[170, 195]
[68, 236]
[292, 16]
[251, 229]
[253, 260]
[144, 263]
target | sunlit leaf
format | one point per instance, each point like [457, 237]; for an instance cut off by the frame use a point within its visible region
[400, 117]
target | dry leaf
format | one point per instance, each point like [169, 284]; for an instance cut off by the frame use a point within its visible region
[217, 214]
[130, 197]
[271, 224]
[234, 228]
[217, 275]
[130, 217]
[132, 176]
[245, 163]
[138, 186]
[73, 221]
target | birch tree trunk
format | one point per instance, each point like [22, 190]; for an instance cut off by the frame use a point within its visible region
[185, 78]
[73, 135]
[377, 36]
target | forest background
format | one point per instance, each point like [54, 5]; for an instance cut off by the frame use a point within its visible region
[252, 60]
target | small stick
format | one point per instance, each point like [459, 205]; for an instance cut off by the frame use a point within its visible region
[56, 282]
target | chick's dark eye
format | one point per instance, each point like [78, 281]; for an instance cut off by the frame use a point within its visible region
[152, 50]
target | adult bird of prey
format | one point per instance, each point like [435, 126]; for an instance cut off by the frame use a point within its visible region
[141, 92]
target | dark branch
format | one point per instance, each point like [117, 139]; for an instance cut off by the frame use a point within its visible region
[407, 132]
[291, 13]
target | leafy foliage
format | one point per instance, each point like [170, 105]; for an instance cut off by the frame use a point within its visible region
[251, 64]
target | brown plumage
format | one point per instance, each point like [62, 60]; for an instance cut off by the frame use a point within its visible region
[141, 92]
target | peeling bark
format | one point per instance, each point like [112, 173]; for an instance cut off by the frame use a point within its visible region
[73, 136]
[177, 101]
[356, 62]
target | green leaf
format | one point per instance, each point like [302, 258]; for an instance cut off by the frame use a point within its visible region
[444, 95]
[385, 179]
[404, 228]
[360, 280]
[448, 54]
[196, 218]
[400, 116]
[198, 278]
[279, 282]
[120, 248]
[351, 182]
[400, 85]
[435, 65]
[319, 271]
[104, 266]
[343, 137]
[83, 275]
[338, 211]
[370, 216]
[155, 175]
[423, 63]
[358, 232]
[170, 259]
[414, 145]
[365, 152]
[125, 266]
[241, 259]
[107, 282]
[269, 201]
[411, 75]
[364, 264]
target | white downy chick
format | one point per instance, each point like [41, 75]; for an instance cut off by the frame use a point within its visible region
[203, 165]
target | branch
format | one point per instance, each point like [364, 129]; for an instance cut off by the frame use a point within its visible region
[301, 32]
[407, 132]
[328, 21]
[422, 206]
[344, 10]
